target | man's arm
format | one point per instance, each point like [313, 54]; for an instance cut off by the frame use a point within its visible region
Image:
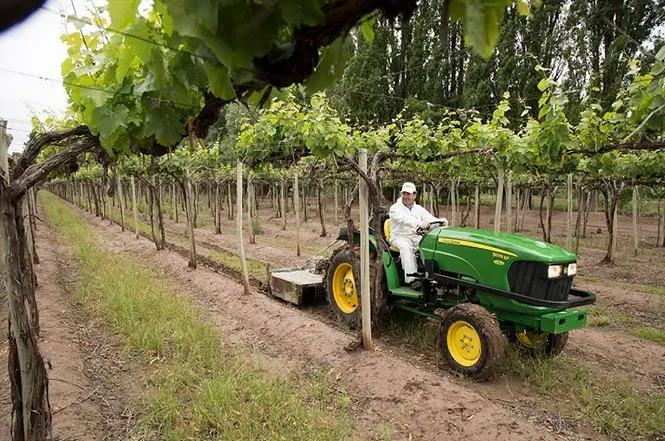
[426, 215]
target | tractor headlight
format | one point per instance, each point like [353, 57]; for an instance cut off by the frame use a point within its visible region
[554, 271]
[572, 269]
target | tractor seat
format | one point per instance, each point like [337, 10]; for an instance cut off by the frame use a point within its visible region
[386, 232]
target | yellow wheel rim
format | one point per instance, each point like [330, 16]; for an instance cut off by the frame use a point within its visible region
[344, 288]
[532, 339]
[464, 343]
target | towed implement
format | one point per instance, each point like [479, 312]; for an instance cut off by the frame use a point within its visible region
[483, 286]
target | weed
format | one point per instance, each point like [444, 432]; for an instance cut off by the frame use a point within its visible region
[652, 334]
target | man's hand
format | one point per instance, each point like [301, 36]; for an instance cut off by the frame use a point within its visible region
[444, 221]
[424, 225]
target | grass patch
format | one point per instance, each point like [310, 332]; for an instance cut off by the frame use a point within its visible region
[655, 335]
[602, 316]
[198, 389]
[254, 267]
[612, 405]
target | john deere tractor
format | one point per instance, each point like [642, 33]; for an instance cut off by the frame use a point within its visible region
[482, 286]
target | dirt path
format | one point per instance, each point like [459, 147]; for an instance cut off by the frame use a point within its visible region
[87, 379]
[386, 390]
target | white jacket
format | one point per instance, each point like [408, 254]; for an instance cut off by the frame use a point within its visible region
[404, 220]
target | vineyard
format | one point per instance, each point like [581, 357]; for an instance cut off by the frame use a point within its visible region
[207, 145]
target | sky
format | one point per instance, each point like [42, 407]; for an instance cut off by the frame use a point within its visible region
[33, 47]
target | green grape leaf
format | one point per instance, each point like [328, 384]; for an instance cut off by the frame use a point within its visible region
[123, 12]
[165, 125]
[220, 84]
[331, 65]
[109, 119]
[367, 28]
[140, 47]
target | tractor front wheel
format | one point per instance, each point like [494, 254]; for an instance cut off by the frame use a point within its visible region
[541, 343]
[471, 342]
[343, 288]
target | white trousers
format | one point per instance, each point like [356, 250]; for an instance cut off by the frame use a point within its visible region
[407, 249]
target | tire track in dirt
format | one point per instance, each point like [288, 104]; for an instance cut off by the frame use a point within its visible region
[417, 403]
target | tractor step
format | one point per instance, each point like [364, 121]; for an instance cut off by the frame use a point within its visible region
[406, 292]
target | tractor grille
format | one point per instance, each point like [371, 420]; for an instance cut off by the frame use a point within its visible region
[530, 279]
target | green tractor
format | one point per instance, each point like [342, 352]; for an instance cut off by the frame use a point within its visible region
[481, 285]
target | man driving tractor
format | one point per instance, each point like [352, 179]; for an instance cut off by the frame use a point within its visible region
[405, 218]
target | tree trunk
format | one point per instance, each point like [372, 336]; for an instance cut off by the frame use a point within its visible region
[248, 198]
[476, 209]
[540, 213]
[229, 201]
[157, 209]
[174, 204]
[134, 207]
[241, 245]
[283, 205]
[509, 203]
[336, 217]
[569, 217]
[296, 207]
[218, 209]
[187, 190]
[319, 190]
[31, 412]
[587, 207]
[121, 202]
[499, 200]
[453, 203]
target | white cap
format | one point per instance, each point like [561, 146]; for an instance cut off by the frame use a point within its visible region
[409, 187]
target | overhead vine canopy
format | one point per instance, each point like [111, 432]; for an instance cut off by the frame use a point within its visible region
[145, 79]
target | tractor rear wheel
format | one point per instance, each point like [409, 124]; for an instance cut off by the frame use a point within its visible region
[471, 342]
[343, 287]
[541, 343]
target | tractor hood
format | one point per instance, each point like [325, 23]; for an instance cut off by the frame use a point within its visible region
[504, 244]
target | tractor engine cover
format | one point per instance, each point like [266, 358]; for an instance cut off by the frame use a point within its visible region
[501, 260]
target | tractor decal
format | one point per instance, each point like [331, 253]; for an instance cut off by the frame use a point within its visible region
[466, 243]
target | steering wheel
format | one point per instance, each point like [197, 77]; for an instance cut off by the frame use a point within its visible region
[441, 222]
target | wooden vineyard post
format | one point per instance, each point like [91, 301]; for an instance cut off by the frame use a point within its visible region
[635, 241]
[453, 204]
[509, 202]
[190, 219]
[296, 207]
[364, 255]
[241, 245]
[569, 217]
[499, 201]
[336, 205]
[615, 229]
[134, 208]
[109, 202]
[121, 202]
[249, 208]
[283, 202]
